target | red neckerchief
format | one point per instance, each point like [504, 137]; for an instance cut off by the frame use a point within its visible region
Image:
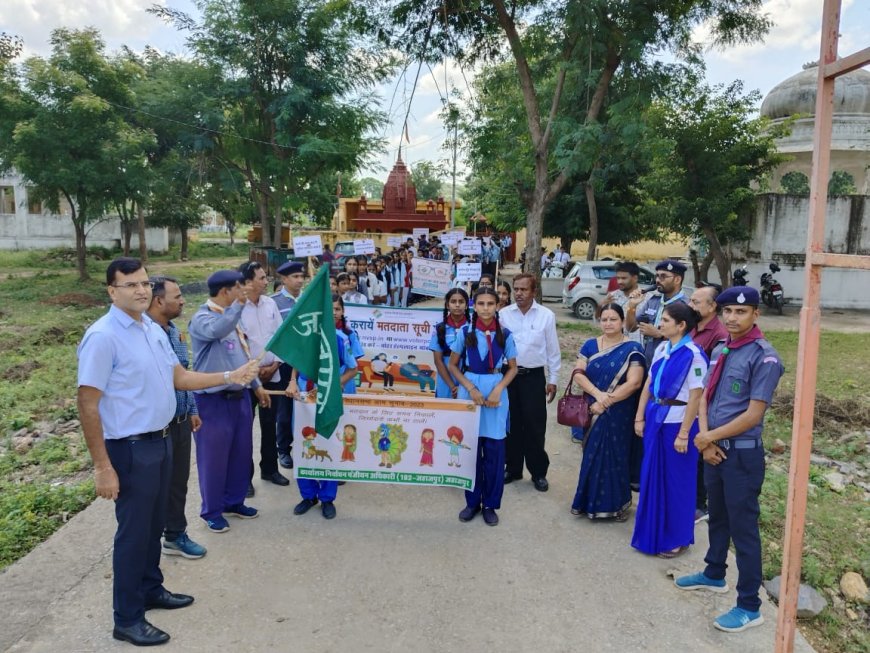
[487, 329]
[753, 335]
[454, 323]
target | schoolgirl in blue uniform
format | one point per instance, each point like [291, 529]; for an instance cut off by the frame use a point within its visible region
[353, 345]
[312, 490]
[476, 362]
[455, 317]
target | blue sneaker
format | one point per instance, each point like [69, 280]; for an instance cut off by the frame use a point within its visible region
[183, 546]
[700, 582]
[737, 620]
[242, 511]
[217, 525]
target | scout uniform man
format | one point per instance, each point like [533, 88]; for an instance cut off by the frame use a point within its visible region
[740, 387]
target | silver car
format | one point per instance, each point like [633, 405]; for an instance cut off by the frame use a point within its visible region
[586, 285]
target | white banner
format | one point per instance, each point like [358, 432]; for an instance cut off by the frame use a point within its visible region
[420, 231]
[450, 238]
[307, 245]
[469, 246]
[468, 272]
[431, 277]
[405, 440]
[364, 246]
[395, 241]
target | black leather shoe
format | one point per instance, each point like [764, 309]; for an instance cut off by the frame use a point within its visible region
[304, 506]
[490, 517]
[468, 513]
[141, 634]
[510, 478]
[541, 484]
[328, 509]
[285, 461]
[168, 601]
[251, 492]
[276, 478]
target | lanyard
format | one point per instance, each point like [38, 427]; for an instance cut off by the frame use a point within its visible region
[664, 302]
[686, 339]
[243, 339]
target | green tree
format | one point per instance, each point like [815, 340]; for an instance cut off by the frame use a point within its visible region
[558, 45]
[841, 183]
[373, 188]
[64, 131]
[428, 178]
[795, 183]
[710, 151]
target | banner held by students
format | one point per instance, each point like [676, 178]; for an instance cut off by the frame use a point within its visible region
[306, 341]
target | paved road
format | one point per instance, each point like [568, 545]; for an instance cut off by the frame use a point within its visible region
[396, 571]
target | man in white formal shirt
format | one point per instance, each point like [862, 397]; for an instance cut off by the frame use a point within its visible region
[538, 362]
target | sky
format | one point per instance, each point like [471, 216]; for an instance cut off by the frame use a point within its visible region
[792, 42]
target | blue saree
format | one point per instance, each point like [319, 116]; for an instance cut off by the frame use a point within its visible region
[603, 487]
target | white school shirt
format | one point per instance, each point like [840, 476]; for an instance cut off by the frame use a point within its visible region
[535, 336]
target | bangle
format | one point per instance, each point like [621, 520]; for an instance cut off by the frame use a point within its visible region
[226, 377]
[638, 421]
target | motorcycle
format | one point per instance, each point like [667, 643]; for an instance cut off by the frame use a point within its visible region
[771, 290]
[738, 277]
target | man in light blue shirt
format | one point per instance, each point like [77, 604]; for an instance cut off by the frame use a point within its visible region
[127, 378]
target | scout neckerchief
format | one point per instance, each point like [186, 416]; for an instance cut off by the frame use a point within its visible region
[753, 335]
[664, 302]
[486, 330]
[456, 324]
[243, 339]
[670, 350]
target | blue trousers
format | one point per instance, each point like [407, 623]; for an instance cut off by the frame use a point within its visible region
[312, 489]
[143, 468]
[283, 409]
[489, 485]
[733, 487]
[223, 451]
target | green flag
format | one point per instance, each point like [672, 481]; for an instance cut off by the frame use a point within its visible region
[307, 342]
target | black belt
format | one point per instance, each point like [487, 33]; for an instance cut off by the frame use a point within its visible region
[233, 394]
[738, 444]
[528, 370]
[151, 435]
[669, 402]
[179, 420]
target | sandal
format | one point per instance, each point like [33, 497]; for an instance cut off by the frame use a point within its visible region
[621, 516]
[673, 553]
[574, 511]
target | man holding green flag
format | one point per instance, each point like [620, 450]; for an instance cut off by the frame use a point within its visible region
[307, 342]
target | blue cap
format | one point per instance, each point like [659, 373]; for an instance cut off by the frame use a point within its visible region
[741, 295]
[290, 267]
[224, 279]
[671, 265]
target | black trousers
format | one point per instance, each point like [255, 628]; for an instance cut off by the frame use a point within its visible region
[268, 429]
[701, 489]
[283, 409]
[527, 394]
[143, 469]
[176, 522]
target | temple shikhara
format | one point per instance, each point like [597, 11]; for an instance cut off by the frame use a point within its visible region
[398, 211]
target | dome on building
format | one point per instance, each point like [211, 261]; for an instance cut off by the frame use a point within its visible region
[797, 94]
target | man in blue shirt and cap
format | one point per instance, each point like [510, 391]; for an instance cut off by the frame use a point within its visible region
[224, 442]
[740, 387]
[127, 378]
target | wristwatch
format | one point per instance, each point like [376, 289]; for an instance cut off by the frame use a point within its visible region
[226, 377]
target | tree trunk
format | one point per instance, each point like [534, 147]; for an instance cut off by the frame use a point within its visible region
[278, 208]
[128, 236]
[566, 242]
[185, 238]
[723, 263]
[534, 224]
[705, 265]
[262, 203]
[143, 246]
[593, 220]
[231, 228]
[81, 250]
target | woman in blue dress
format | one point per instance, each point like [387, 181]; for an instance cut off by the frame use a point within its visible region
[667, 420]
[479, 356]
[610, 370]
[455, 317]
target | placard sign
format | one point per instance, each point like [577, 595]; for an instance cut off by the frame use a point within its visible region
[469, 247]
[364, 246]
[307, 245]
[431, 277]
[395, 241]
[420, 231]
[468, 272]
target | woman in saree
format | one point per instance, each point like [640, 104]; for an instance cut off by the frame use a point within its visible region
[610, 370]
[667, 420]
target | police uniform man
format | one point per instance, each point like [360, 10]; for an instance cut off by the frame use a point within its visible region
[224, 442]
[127, 377]
[643, 314]
[292, 278]
[740, 387]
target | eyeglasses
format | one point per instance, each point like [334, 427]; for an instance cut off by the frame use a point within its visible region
[132, 285]
[665, 276]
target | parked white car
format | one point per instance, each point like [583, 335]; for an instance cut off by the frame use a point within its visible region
[586, 285]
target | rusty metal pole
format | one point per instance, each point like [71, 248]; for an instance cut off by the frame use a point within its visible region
[808, 344]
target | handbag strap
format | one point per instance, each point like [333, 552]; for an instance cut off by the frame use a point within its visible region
[568, 392]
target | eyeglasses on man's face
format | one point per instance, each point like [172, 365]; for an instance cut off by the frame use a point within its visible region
[133, 285]
[664, 276]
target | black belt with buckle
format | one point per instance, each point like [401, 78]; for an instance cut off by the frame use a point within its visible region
[527, 370]
[179, 420]
[233, 394]
[151, 435]
[738, 444]
[669, 402]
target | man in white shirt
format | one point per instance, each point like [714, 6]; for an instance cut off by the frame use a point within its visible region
[260, 320]
[538, 362]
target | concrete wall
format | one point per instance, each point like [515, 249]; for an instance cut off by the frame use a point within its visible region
[25, 230]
